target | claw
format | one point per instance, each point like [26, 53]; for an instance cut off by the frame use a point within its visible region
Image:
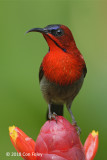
[78, 130]
[74, 123]
[52, 116]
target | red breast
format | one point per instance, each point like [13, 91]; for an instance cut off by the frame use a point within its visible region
[62, 67]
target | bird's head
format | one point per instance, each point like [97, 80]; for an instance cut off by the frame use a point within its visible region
[56, 35]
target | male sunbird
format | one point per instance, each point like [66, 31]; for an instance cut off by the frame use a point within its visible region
[62, 70]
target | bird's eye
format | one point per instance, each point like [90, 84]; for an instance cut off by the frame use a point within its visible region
[58, 32]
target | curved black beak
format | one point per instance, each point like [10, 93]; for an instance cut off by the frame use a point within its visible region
[41, 30]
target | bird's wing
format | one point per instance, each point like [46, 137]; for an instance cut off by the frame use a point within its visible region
[41, 72]
[85, 70]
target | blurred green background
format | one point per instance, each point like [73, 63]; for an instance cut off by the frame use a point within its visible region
[21, 102]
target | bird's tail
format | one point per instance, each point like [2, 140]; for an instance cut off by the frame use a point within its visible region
[58, 109]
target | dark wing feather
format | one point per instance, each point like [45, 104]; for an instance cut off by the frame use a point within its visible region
[41, 73]
[85, 70]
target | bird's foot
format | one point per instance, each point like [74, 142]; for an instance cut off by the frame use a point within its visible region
[78, 130]
[74, 123]
[52, 116]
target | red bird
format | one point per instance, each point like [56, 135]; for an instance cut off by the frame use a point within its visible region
[62, 70]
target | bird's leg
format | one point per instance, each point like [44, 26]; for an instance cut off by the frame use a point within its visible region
[73, 120]
[49, 106]
[51, 115]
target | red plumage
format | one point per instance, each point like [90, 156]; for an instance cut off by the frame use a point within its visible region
[62, 67]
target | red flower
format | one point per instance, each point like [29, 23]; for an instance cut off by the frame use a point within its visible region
[91, 145]
[56, 141]
[22, 143]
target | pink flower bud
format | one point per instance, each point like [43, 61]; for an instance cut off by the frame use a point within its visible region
[60, 140]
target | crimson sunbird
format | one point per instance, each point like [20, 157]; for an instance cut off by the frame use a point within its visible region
[62, 70]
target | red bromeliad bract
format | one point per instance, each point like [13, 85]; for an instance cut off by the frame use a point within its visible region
[91, 145]
[57, 140]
